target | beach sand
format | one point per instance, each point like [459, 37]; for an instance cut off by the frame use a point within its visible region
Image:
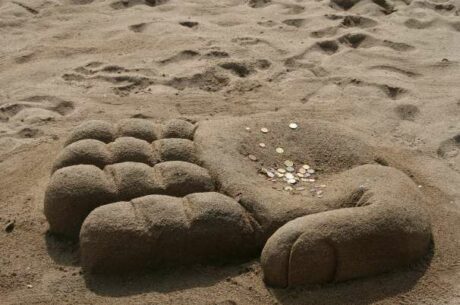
[388, 69]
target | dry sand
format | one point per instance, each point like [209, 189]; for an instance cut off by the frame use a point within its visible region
[389, 69]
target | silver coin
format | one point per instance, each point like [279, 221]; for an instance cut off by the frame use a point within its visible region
[289, 176]
[302, 170]
[300, 175]
[289, 163]
[281, 170]
[290, 169]
[306, 166]
[270, 174]
[279, 175]
[264, 130]
[293, 126]
[292, 181]
[311, 171]
[279, 150]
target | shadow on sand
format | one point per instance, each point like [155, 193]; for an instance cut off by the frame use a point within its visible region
[357, 292]
[164, 280]
[62, 250]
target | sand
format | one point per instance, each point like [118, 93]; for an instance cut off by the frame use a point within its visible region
[388, 70]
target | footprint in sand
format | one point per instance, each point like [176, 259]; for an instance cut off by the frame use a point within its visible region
[123, 81]
[449, 148]
[130, 3]
[347, 21]
[407, 112]
[19, 118]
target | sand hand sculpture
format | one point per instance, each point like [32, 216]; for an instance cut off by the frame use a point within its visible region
[139, 194]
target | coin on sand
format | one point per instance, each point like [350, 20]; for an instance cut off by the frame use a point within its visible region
[289, 176]
[289, 163]
[262, 145]
[293, 125]
[279, 150]
[281, 170]
[252, 158]
[306, 166]
[264, 130]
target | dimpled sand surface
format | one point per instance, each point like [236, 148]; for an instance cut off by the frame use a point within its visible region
[373, 87]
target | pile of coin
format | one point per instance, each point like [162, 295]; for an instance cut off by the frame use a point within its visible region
[290, 173]
[293, 175]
